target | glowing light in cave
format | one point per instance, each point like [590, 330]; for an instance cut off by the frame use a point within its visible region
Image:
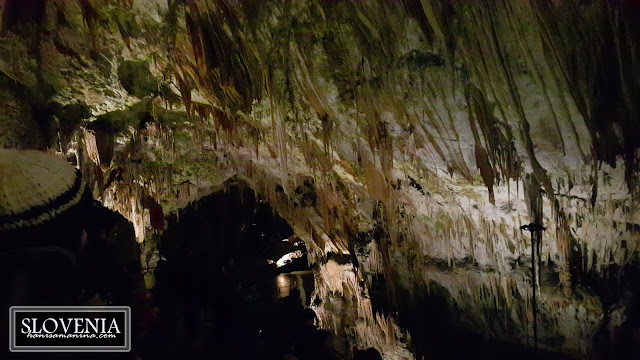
[287, 258]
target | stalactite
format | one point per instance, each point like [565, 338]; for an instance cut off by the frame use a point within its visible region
[92, 147]
[90, 17]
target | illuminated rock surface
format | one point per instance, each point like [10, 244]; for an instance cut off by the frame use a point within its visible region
[404, 142]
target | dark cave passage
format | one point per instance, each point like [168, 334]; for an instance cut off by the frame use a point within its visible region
[219, 291]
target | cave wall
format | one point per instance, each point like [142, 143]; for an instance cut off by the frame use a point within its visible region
[414, 138]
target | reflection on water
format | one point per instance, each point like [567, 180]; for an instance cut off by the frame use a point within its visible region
[283, 285]
[301, 280]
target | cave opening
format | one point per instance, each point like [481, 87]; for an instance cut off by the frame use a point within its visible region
[230, 281]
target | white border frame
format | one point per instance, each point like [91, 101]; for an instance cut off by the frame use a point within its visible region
[15, 309]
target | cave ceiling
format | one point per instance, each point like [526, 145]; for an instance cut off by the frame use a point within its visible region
[416, 136]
